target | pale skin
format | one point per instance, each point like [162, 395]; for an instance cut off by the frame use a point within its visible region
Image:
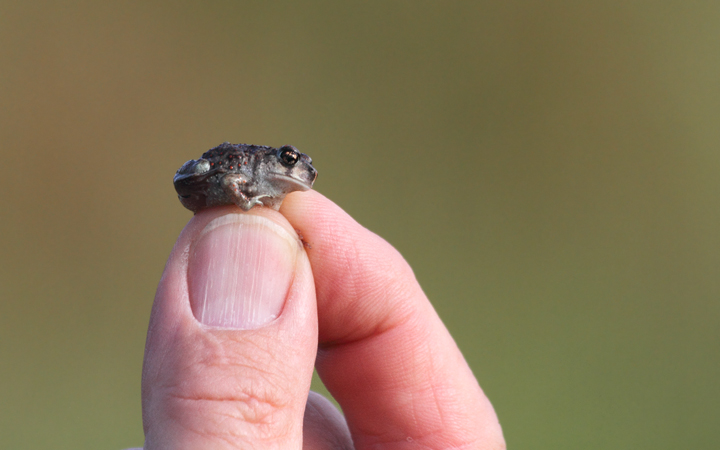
[355, 311]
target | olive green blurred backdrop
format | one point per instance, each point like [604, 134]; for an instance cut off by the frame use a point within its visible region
[550, 170]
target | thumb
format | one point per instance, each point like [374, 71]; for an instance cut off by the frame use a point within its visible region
[232, 336]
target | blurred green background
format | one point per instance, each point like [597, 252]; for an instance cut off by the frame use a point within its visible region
[550, 170]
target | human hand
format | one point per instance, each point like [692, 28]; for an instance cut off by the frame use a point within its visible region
[241, 311]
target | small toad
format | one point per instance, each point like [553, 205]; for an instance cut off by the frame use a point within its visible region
[244, 175]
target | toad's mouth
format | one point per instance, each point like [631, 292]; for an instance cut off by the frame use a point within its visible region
[300, 185]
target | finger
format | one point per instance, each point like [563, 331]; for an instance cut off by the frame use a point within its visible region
[324, 427]
[232, 336]
[384, 353]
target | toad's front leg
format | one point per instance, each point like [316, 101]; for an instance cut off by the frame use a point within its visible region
[235, 185]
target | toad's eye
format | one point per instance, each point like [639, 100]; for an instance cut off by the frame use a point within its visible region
[288, 155]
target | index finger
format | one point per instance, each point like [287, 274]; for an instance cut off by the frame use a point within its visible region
[384, 353]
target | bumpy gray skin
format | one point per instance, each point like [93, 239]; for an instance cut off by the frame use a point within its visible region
[243, 175]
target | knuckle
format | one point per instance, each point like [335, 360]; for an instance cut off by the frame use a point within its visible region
[244, 414]
[228, 393]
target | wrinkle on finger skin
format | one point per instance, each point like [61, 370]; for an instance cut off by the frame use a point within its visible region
[204, 366]
[376, 285]
[238, 399]
[246, 421]
[247, 408]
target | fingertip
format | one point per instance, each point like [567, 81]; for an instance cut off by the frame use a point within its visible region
[219, 375]
[324, 427]
[385, 354]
